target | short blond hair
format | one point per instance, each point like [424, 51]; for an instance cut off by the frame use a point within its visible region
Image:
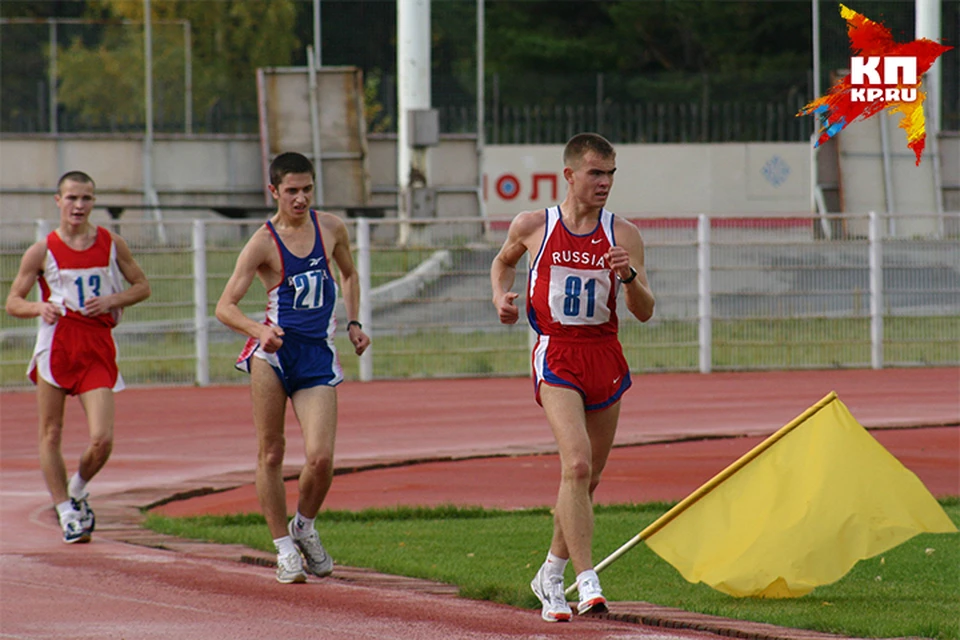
[75, 176]
[580, 144]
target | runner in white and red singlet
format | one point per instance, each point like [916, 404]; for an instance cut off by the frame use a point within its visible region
[81, 269]
[582, 257]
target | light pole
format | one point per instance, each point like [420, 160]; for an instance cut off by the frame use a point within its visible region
[481, 114]
[317, 34]
[413, 93]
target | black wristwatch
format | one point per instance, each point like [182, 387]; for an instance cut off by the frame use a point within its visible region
[631, 278]
[354, 322]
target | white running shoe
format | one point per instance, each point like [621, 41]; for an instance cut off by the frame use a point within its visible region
[73, 529]
[550, 591]
[591, 597]
[87, 520]
[290, 569]
[318, 561]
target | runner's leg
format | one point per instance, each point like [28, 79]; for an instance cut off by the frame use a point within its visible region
[269, 407]
[601, 427]
[50, 405]
[316, 409]
[98, 404]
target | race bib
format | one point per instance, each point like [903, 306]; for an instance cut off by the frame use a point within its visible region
[579, 296]
[79, 285]
[308, 289]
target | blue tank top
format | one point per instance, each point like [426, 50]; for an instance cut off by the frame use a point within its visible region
[303, 303]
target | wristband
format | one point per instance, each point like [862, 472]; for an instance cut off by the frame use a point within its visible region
[631, 278]
[354, 322]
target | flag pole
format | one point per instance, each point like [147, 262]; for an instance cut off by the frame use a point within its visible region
[709, 486]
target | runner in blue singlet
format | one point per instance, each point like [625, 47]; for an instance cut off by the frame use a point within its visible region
[291, 354]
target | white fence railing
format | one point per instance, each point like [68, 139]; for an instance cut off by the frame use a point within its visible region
[732, 294]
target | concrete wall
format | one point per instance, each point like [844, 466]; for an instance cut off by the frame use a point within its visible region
[661, 180]
[950, 159]
[187, 171]
[652, 180]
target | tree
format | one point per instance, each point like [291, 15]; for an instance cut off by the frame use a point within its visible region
[661, 45]
[230, 40]
[24, 52]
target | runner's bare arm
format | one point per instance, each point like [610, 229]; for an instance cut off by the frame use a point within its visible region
[503, 271]
[31, 265]
[624, 258]
[251, 260]
[349, 282]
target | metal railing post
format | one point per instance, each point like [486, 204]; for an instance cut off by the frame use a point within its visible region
[704, 294]
[366, 310]
[876, 291]
[200, 325]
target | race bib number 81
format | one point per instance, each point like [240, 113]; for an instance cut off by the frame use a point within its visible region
[579, 296]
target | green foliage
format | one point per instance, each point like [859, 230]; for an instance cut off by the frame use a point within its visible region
[661, 50]
[229, 41]
[19, 73]
[377, 120]
[543, 52]
[912, 590]
[113, 67]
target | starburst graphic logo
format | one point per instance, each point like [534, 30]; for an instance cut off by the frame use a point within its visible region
[883, 75]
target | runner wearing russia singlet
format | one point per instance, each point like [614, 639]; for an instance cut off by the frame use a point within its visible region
[582, 257]
[78, 352]
[303, 306]
[572, 306]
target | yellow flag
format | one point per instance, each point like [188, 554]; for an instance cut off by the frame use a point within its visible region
[798, 511]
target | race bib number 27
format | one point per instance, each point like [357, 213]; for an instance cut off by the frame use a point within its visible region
[308, 289]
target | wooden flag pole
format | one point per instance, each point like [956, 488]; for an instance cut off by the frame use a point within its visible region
[709, 486]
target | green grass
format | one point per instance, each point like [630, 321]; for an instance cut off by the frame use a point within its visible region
[912, 590]
[170, 272]
[445, 353]
[167, 357]
[668, 345]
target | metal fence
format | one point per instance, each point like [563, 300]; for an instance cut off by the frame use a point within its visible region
[732, 294]
[642, 122]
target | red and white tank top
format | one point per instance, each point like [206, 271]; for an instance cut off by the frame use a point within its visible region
[571, 292]
[71, 277]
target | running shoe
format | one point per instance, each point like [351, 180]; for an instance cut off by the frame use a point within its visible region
[318, 561]
[591, 597]
[290, 569]
[73, 530]
[550, 591]
[87, 520]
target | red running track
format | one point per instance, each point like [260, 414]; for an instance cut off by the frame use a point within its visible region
[172, 438]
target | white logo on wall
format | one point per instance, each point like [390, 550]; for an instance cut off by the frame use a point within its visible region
[776, 171]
